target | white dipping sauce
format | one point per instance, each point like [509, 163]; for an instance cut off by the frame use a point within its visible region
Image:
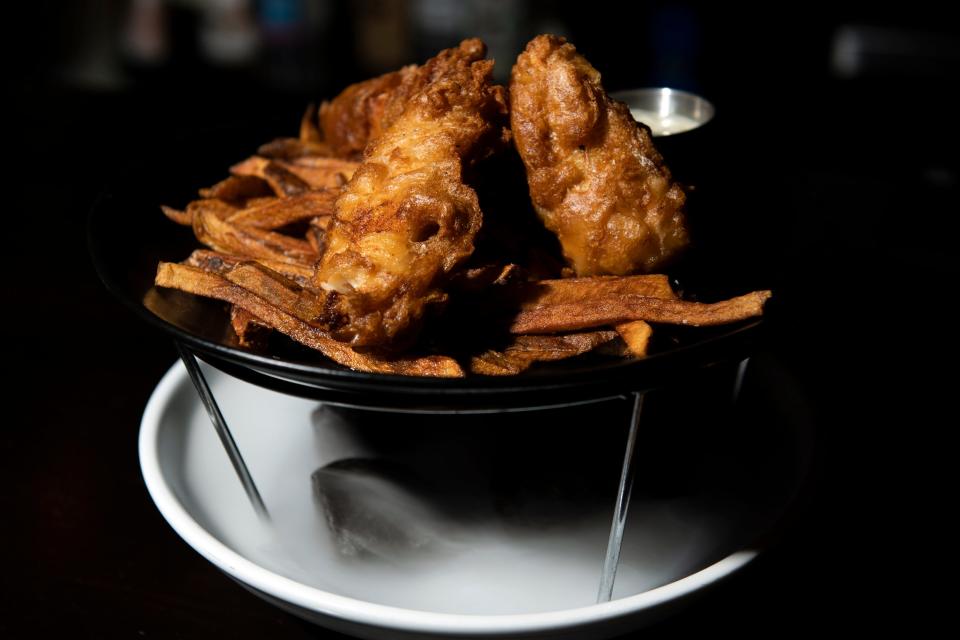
[664, 125]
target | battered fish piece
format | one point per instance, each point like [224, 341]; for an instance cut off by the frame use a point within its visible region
[595, 178]
[406, 219]
[363, 111]
[354, 117]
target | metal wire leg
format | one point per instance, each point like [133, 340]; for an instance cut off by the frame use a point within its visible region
[612, 558]
[226, 438]
[738, 381]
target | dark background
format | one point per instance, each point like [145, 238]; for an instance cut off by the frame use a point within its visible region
[839, 141]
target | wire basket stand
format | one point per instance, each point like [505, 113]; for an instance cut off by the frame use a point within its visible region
[611, 557]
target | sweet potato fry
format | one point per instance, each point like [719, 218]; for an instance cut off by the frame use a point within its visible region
[317, 233]
[237, 190]
[196, 281]
[322, 173]
[310, 125]
[273, 287]
[577, 290]
[284, 181]
[261, 201]
[210, 206]
[280, 212]
[291, 178]
[543, 348]
[178, 216]
[497, 363]
[217, 208]
[281, 180]
[250, 329]
[526, 350]
[574, 316]
[221, 263]
[225, 237]
[338, 165]
[291, 148]
[636, 335]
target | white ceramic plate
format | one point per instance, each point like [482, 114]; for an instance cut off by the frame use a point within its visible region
[489, 572]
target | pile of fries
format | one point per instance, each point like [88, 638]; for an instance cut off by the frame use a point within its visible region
[265, 228]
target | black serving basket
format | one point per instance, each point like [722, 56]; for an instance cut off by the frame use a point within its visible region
[128, 236]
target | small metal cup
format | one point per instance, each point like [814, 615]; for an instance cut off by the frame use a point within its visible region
[679, 123]
[670, 111]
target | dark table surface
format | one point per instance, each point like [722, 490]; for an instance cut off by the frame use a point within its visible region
[861, 221]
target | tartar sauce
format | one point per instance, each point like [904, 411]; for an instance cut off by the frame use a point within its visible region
[664, 125]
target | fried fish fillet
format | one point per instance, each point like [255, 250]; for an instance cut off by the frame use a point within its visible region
[406, 219]
[595, 177]
[351, 119]
[363, 111]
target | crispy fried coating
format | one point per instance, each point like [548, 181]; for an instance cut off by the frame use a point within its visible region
[363, 111]
[406, 218]
[355, 116]
[595, 177]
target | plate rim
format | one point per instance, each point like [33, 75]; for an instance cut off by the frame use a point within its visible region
[365, 613]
